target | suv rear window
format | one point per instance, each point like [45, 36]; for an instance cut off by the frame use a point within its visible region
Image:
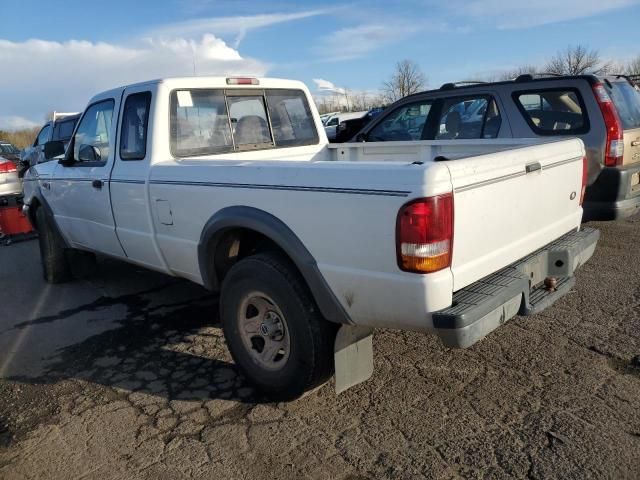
[553, 112]
[627, 102]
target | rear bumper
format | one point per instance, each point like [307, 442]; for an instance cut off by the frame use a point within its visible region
[615, 194]
[483, 306]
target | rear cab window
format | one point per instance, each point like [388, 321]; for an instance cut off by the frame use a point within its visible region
[212, 121]
[553, 111]
[64, 129]
[627, 101]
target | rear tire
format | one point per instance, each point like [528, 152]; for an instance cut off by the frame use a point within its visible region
[274, 330]
[55, 267]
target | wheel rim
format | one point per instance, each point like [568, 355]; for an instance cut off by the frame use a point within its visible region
[264, 331]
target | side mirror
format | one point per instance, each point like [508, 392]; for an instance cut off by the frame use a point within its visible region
[53, 149]
[89, 153]
[361, 137]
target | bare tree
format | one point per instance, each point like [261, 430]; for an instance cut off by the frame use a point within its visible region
[633, 67]
[406, 79]
[576, 60]
[516, 72]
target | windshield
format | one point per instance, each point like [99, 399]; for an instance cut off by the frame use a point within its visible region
[8, 148]
[627, 102]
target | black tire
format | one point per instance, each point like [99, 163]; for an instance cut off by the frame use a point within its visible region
[55, 267]
[309, 362]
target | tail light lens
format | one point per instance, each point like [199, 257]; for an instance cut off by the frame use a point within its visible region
[614, 149]
[8, 167]
[584, 179]
[424, 234]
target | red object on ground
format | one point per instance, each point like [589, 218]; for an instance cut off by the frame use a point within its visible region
[13, 222]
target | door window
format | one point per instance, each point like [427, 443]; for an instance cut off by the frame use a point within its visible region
[91, 141]
[553, 112]
[468, 118]
[43, 136]
[135, 121]
[404, 123]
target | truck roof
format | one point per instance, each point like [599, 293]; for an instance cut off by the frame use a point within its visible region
[207, 82]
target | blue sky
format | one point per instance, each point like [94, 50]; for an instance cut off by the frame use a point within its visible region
[56, 54]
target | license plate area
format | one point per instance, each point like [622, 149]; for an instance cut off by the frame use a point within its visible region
[535, 268]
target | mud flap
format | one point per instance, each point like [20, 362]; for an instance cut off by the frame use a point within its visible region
[353, 356]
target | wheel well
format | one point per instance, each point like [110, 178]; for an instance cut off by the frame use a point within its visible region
[235, 244]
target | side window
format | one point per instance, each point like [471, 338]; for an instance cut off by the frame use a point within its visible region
[249, 121]
[333, 122]
[553, 112]
[291, 118]
[135, 121]
[91, 141]
[43, 136]
[199, 123]
[404, 123]
[468, 118]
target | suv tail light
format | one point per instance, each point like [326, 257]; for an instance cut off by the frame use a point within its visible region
[8, 167]
[614, 149]
[424, 234]
[584, 179]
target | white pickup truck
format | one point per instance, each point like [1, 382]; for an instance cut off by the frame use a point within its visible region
[230, 183]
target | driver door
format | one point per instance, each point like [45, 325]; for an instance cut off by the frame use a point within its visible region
[81, 194]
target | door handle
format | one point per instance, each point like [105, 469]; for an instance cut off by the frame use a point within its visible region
[635, 143]
[97, 184]
[46, 185]
[533, 167]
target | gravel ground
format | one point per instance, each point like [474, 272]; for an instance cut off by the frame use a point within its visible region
[146, 388]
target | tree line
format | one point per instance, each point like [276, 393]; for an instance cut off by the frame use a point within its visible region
[407, 77]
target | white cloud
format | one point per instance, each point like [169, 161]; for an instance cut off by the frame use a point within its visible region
[325, 86]
[238, 26]
[63, 76]
[13, 122]
[525, 13]
[354, 42]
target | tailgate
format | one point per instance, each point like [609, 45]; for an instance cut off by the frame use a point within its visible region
[511, 203]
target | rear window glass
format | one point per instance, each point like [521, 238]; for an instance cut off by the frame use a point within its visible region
[206, 122]
[291, 118]
[627, 102]
[553, 112]
[64, 130]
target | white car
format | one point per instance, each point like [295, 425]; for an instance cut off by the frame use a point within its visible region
[230, 183]
[331, 125]
[10, 183]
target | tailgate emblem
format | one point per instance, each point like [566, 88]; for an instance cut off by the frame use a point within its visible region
[572, 196]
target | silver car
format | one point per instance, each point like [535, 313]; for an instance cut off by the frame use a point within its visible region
[10, 183]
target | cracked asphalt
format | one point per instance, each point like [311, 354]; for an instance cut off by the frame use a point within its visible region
[126, 375]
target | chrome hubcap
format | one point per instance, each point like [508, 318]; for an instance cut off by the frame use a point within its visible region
[263, 330]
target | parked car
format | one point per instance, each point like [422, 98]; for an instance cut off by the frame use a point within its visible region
[10, 183]
[310, 245]
[59, 128]
[603, 111]
[9, 151]
[331, 127]
[325, 117]
[350, 127]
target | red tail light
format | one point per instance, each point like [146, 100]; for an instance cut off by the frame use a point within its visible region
[584, 179]
[424, 234]
[8, 167]
[614, 149]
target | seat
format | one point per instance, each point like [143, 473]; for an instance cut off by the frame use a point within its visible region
[452, 126]
[251, 130]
